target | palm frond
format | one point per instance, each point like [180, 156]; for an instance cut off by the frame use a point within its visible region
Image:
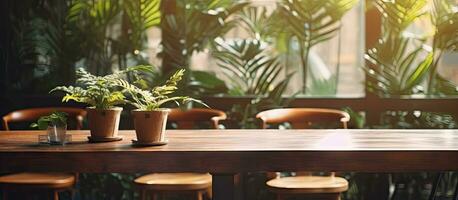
[248, 64]
[399, 14]
[445, 20]
[143, 14]
[312, 22]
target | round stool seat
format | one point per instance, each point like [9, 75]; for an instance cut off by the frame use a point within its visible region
[308, 184]
[175, 181]
[38, 180]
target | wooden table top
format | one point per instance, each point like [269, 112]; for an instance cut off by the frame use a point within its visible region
[239, 150]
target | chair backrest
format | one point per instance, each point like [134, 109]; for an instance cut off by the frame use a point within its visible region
[187, 119]
[32, 114]
[302, 118]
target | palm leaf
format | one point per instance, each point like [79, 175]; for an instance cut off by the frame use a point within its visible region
[143, 14]
[313, 22]
[248, 66]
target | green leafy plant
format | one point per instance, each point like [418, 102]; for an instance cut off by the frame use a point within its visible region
[101, 92]
[257, 22]
[445, 19]
[250, 68]
[417, 120]
[188, 27]
[252, 71]
[312, 22]
[50, 38]
[204, 21]
[158, 96]
[394, 67]
[54, 119]
[97, 18]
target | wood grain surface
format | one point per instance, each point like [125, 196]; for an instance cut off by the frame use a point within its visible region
[230, 151]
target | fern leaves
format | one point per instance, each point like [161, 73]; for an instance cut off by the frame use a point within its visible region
[156, 97]
[102, 92]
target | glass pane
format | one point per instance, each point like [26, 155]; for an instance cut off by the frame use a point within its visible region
[334, 63]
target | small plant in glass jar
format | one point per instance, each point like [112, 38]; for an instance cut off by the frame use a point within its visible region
[56, 126]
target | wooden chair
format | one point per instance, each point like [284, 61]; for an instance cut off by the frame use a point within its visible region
[32, 114]
[304, 183]
[189, 118]
[195, 184]
[53, 183]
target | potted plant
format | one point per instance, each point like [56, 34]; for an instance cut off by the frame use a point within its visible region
[56, 126]
[150, 118]
[102, 93]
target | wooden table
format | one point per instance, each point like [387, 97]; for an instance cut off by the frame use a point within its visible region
[225, 153]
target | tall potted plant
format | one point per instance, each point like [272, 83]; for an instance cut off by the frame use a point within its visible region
[149, 117]
[102, 94]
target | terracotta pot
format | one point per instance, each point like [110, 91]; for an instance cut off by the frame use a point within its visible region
[150, 125]
[104, 123]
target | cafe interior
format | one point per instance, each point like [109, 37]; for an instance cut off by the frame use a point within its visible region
[229, 99]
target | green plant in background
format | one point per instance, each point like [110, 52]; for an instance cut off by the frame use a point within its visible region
[394, 68]
[189, 26]
[312, 22]
[101, 92]
[257, 22]
[41, 46]
[357, 119]
[250, 68]
[417, 120]
[54, 119]
[142, 15]
[104, 47]
[445, 19]
[153, 99]
[107, 186]
[57, 36]
[254, 71]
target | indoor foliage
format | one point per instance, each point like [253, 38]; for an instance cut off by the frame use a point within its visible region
[394, 67]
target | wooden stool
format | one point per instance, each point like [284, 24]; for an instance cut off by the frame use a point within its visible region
[195, 184]
[305, 185]
[42, 182]
[168, 183]
[312, 187]
[53, 182]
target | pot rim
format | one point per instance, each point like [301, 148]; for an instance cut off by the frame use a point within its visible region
[150, 111]
[112, 108]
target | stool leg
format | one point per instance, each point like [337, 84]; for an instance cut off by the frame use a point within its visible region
[143, 194]
[209, 193]
[199, 195]
[280, 197]
[155, 196]
[4, 195]
[55, 195]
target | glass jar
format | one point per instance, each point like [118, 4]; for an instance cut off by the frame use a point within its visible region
[57, 134]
